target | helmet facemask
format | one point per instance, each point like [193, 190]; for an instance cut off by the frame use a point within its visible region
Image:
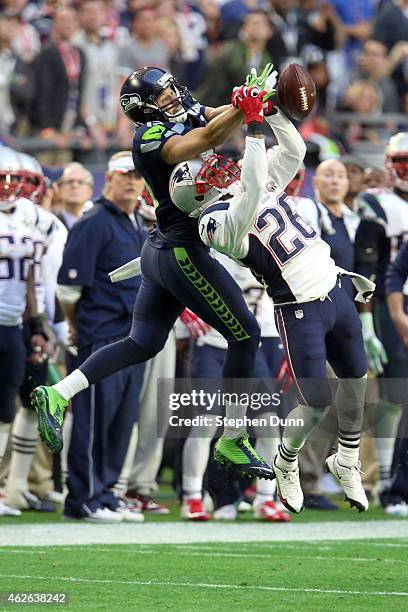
[397, 161]
[194, 185]
[180, 94]
[11, 186]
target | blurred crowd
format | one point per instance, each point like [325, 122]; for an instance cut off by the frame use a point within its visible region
[62, 63]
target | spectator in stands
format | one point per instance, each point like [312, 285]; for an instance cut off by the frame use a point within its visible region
[26, 41]
[15, 84]
[317, 24]
[391, 28]
[100, 100]
[144, 47]
[169, 33]
[235, 58]
[373, 65]
[59, 75]
[315, 62]
[364, 98]
[356, 24]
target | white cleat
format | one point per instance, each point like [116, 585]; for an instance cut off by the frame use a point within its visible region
[6, 510]
[104, 515]
[129, 512]
[289, 489]
[226, 513]
[400, 510]
[350, 480]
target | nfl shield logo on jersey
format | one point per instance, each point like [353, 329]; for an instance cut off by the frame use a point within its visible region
[299, 314]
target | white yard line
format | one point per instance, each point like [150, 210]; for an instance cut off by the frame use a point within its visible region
[204, 585]
[64, 534]
[197, 552]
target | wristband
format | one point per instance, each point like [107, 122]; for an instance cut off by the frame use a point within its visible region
[255, 129]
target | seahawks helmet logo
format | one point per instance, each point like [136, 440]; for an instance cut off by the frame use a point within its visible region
[129, 101]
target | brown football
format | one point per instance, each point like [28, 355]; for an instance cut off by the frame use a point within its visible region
[296, 91]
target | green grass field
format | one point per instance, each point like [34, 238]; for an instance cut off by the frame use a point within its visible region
[332, 560]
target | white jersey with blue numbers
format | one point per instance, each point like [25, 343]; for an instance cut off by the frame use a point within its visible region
[48, 230]
[255, 296]
[382, 231]
[261, 228]
[17, 236]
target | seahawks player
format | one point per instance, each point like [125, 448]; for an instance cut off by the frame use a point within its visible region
[177, 269]
[382, 231]
[317, 320]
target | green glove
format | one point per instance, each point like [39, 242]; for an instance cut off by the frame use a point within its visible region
[376, 355]
[267, 80]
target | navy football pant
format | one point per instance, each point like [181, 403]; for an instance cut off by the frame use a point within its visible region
[172, 279]
[104, 415]
[320, 331]
[12, 368]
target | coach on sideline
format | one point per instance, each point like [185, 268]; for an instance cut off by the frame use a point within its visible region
[98, 314]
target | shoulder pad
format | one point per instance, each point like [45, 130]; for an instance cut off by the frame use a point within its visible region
[370, 209]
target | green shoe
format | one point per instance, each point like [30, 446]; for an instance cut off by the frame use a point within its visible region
[50, 407]
[239, 455]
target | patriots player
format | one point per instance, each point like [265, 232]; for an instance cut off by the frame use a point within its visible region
[177, 269]
[382, 231]
[19, 225]
[47, 231]
[317, 320]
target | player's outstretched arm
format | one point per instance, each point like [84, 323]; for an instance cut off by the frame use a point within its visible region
[199, 140]
[231, 233]
[285, 158]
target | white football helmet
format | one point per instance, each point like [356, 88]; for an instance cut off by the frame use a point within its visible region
[195, 184]
[11, 180]
[396, 162]
[33, 178]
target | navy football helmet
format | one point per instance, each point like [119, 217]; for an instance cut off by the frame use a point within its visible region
[139, 93]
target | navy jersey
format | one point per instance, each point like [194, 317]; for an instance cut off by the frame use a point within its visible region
[174, 226]
[104, 238]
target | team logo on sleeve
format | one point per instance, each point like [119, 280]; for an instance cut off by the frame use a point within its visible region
[211, 227]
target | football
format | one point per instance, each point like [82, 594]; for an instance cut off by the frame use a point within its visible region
[296, 91]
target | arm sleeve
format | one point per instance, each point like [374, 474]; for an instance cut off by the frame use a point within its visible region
[367, 247]
[285, 158]
[397, 272]
[230, 228]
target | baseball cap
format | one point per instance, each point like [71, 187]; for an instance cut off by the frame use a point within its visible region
[123, 165]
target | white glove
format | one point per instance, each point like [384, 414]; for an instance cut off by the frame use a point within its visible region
[376, 355]
[128, 270]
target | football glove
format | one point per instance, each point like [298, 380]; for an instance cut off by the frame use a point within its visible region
[196, 326]
[376, 355]
[266, 81]
[249, 100]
